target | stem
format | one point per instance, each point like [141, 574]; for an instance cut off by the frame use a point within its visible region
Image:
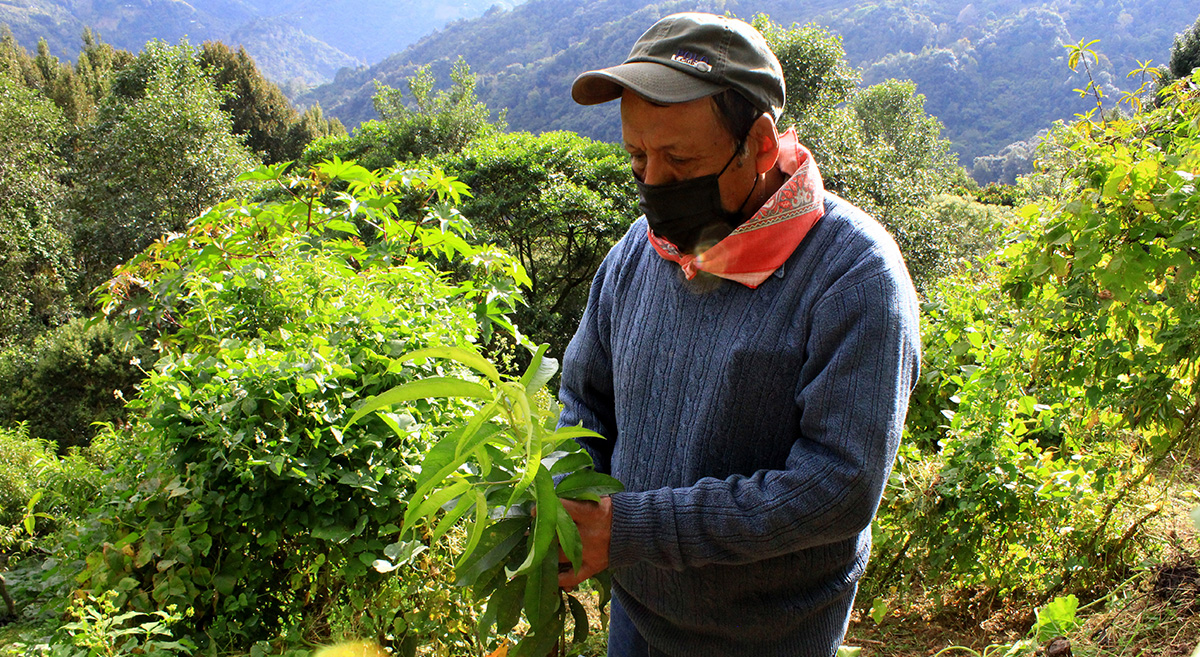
[8, 601]
[1189, 426]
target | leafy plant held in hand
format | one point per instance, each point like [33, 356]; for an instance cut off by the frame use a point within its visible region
[497, 466]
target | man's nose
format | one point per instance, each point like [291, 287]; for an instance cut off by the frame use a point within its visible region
[656, 172]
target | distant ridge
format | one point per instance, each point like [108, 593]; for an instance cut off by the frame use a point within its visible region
[300, 41]
[993, 71]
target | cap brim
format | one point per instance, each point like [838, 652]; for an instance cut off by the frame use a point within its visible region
[650, 80]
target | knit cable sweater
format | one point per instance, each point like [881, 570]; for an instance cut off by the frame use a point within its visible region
[753, 429]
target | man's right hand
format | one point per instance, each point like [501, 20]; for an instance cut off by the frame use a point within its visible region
[595, 530]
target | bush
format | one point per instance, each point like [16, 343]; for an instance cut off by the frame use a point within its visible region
[72, 377]
[556, 201]
[253, 504]
[35, 482]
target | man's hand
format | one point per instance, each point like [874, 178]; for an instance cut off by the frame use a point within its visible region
[595, 529]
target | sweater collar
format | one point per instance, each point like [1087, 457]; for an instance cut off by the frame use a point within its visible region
[757, 248]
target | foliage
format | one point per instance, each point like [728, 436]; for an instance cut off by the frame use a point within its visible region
[98, 630]
[76, 90]
[962, 231]
[815, 72]
[70, 377]
[160, 152]
[991, 72]
[1185, 53]
[1062, 396]
[500, 465]
[876, 147]
[557, 202]
[1011, 162]
[260, 111]
[251, 503]
[40, 489]
[433, 122]
[36, 267]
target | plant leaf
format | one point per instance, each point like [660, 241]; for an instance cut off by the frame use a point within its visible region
[468, 358]
[497, 542]
[435, 386]
[541, 369]
[581, 620]
[587, 485]
[475, 531]
[465, 503]
[434, 502]
[568, 538]
[541, 595]
[545, 523]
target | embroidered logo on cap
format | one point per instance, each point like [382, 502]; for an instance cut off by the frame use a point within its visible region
[698, 62]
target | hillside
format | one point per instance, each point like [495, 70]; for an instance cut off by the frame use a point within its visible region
[303, 42]
[993, 71]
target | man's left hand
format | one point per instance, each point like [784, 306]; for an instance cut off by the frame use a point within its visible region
[595, 530]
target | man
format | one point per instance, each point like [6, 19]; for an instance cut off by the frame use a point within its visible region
[747, 352]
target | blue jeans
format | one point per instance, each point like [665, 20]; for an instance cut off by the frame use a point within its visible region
[624, 640]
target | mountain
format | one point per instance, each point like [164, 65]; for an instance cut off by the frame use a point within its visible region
[304, 42]
[993, 71]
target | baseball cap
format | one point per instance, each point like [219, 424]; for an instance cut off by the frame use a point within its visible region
[688, 56]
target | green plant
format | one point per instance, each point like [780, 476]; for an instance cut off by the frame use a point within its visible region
[1061, 378]
[1054, 619]
[71, 377]
[40, 489]
[100, 631]
[499, 465]
[251, 503]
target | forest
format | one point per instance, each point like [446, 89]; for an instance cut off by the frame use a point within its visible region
[993, 72]
[269, 386]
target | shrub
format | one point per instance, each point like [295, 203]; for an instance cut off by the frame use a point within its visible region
[72, 377]
[252, 505]
[38, 485]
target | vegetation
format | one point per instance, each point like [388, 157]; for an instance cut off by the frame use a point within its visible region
[271, 127]
[336, 427]
[303, 42]
[992, 73]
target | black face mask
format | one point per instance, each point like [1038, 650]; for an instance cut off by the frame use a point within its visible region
[688, 213]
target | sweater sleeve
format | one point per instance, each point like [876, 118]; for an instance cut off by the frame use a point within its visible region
[862, 359]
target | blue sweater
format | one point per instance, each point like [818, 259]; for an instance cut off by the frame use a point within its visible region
[753, 429]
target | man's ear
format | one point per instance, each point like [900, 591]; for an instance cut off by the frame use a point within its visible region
[764, 143]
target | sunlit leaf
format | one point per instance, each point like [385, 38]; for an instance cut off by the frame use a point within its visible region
[421, 389]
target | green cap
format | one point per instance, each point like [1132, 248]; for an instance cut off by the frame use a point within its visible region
[688, 56]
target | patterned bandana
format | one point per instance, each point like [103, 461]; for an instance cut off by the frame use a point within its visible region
[750, 254]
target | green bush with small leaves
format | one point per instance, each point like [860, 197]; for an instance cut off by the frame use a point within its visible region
[253, 508]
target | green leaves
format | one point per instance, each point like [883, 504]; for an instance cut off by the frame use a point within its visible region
[1056, 619]
[519, 524]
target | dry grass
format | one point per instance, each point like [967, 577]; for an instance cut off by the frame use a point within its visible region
[1154, 612]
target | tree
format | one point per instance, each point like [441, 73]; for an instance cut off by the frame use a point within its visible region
[1185, 54]
[160, 151]
[556, 201]
[36, 268]
[432, 123]
[815, 72]
[260, 111]
[877, 147]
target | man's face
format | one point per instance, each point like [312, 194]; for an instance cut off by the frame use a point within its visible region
[670, 143]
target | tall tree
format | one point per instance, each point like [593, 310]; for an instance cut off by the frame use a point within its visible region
[875, 146]
[36, 267]
[260, 111]
[160, 151]
[556, 201]
[1185, 54]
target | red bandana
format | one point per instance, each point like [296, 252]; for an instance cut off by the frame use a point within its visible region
[750, 254]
